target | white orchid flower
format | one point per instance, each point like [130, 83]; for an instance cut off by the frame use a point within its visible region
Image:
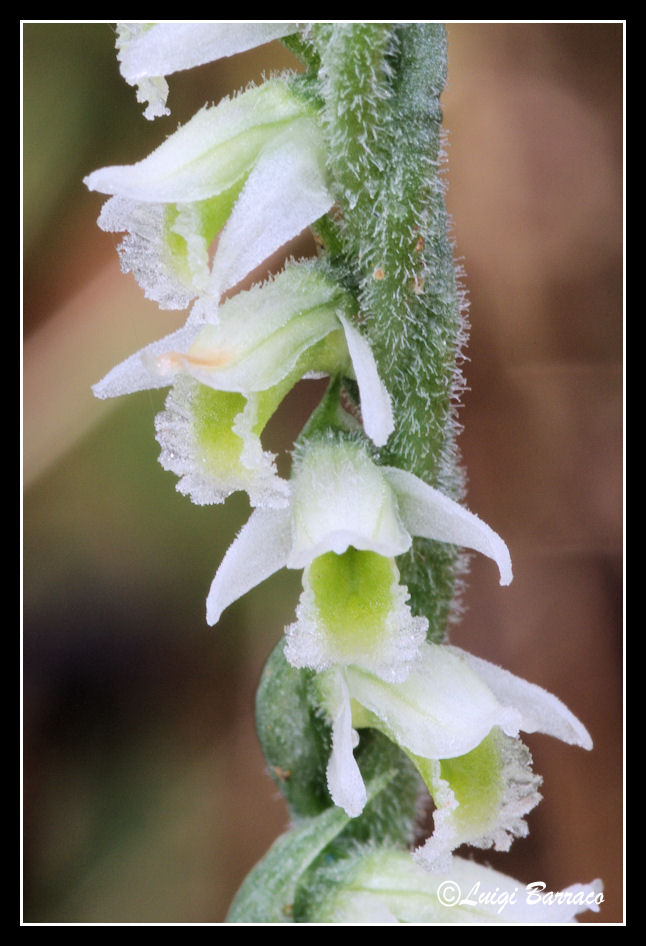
[251, 168]
[457, 717]
[228, 379]
[346, 522]
[148, 52]
[387, 886]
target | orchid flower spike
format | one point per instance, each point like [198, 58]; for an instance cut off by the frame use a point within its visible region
[457, 717]
[347, 520]
[251, 168]
[228, 379]
[148, 52]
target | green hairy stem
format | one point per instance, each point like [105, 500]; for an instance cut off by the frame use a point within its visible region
[387, 241]
[363, 710]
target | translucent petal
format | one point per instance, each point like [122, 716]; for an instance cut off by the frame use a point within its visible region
[260, 549]
[340, 498]
[164, 48]
[141, 371]
[286, 192]
[376, 406]
[153, 89]
[541, 711]
[442, 709]
[208, 154]
[262, 333]
[344, 780]
[145, 251]
[427, 512]
[211, 440]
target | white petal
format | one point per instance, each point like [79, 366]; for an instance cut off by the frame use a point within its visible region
[141, 371]
[284, 194]
[262, 332]
[344, 779]
[340, 499]
[540, 710]
[259, 550]
[466, 893]
[376, 407]
[153, 89]
[440, 711]
[208, 154]
[428, 512]
[165, 48]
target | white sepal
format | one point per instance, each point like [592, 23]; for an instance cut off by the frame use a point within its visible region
[427, 512]
[344, 780]
[441, 710]
[376, 406]
[286, 192]
[163, 48]
[260, 549]
[341, 499]
[541, 711]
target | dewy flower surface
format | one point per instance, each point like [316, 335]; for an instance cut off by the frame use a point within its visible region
[340, 499]
[351, 147]
[346, 521]
[251, 167]
[230, 375]
[148, 52]
[457, 717]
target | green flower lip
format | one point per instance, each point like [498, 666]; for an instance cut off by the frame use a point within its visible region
[340, 497]
[444, 709]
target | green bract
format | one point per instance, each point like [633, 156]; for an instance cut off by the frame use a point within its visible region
[376, 887]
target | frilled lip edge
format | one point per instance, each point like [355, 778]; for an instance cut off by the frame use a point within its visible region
[444, 709]
[257, 553]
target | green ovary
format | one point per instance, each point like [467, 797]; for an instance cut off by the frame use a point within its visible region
[353, 598]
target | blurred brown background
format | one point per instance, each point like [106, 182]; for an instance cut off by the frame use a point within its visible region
[145, 798]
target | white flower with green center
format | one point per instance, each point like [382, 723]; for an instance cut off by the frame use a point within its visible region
[228, 379]
[457, 717]
[251, 169]
[387, 886]
[347, 520]
[148, 52]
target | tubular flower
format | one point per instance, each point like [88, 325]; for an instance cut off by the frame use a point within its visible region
[148, 52]
[251, 168]
[228, 379]
[457, 717]
[346, 521]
